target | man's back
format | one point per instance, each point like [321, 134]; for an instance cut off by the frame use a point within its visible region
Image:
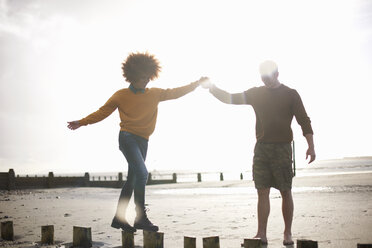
[275, 108]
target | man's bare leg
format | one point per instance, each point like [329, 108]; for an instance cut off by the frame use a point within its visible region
[263, 211]
[287, 210]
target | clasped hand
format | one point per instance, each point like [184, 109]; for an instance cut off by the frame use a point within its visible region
[205, 82]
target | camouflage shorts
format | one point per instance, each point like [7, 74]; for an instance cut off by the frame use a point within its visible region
[272, 166]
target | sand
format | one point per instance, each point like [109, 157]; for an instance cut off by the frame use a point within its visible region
[335, 210]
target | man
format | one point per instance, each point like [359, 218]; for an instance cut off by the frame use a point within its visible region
[138, 108]
[275, 105]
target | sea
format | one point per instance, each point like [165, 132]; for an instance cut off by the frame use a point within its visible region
[317, 168]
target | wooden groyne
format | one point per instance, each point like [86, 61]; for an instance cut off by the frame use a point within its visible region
[9, 180]
[82, 237]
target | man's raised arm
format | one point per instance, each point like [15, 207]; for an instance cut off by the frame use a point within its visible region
[225, 97]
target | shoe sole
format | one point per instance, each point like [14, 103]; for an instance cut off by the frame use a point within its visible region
[127, 229]
[154, 229]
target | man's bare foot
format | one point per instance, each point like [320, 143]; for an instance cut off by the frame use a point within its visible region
[262, 237]
[288, 239]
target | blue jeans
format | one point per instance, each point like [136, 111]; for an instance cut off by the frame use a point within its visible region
[134, 149]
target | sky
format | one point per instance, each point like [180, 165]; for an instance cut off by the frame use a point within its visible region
[60, 60]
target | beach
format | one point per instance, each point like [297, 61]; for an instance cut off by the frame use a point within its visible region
[335, 210]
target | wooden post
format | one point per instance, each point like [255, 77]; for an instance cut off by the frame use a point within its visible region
[241, 176]
[149, 178]
[174, 177]
[153, 239]
[211, 242]
[86, 179]
[120, 180]
[127, 239]
[221, 176]
[7, 232]
[50, 180]
[199, 177]
[364, 245]
[252, 243]
[189, 242]
[303, 243]
[82, 236]
[11, 180]
[47, 235]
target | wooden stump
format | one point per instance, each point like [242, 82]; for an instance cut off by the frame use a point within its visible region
[303, 243]
[252, 243]
[82, 236]
[153, 239]
[127, 239]
[189, 242]
[47, 235]
[364, 245]
[11, 180]
[211, 242]
[7, 232]
[199, 177]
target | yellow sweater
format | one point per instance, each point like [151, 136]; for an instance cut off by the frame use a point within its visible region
[138, 112]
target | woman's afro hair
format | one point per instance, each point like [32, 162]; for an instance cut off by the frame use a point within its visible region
[139, 65]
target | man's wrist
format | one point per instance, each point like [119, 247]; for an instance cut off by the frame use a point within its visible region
[211, 87]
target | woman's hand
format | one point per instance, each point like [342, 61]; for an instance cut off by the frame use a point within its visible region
[73, 125]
